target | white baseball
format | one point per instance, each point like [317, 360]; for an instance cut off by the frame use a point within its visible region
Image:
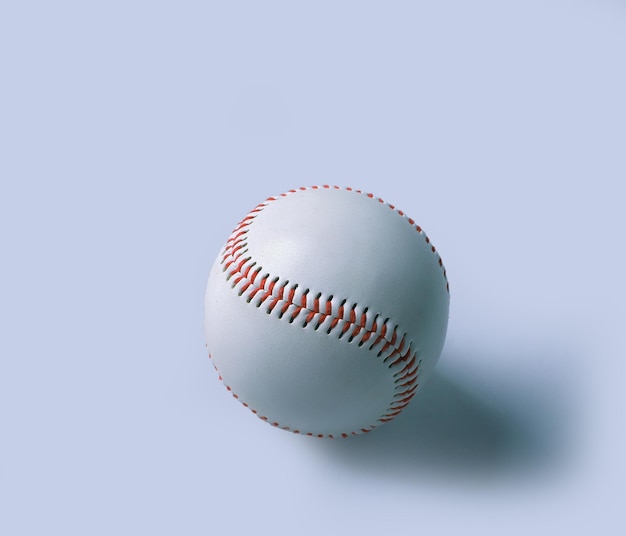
[325, 311]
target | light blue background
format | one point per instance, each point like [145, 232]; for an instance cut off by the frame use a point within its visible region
[133, 137]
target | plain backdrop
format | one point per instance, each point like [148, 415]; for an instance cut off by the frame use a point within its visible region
[135, 135]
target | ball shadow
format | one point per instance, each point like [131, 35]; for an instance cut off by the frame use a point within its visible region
[449, 430]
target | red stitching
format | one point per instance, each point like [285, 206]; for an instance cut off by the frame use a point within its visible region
[241, 268]
[408, 392]
[408, 366]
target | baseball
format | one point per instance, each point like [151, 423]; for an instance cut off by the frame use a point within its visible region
[325, 311]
